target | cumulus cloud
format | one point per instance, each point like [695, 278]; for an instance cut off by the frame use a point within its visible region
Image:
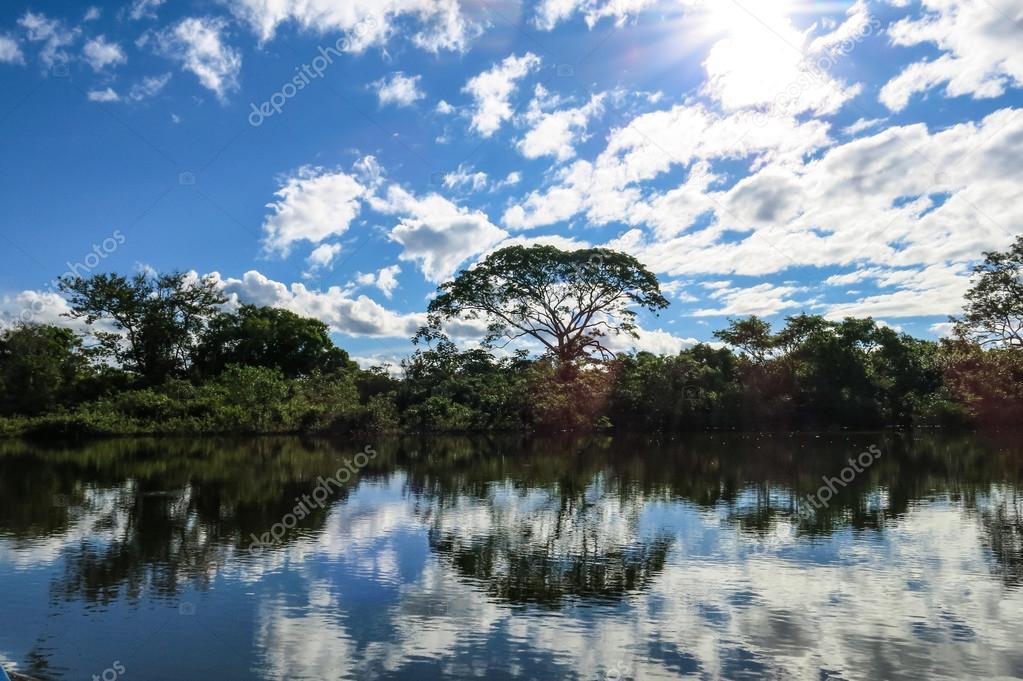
[144, 9]
[321, 257]
[436, 234]
[491, 91]
[916, 205]
[607, 189]
[464, 177]
[556, 133]
[105, 95]
[10, 52]
[313, 204]
[37, 307]
[198, 44]
[549, 13]
[761, 300]
[980, 45]
[385, 279]
[53, 35]
[398, 89]
[101, 53]
[336, 307]
[441, 24]
[656, 341]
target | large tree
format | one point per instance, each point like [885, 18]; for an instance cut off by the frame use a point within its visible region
[157, 320]
[39, 368]
[569, 302]
[272, 338]
[993, 314]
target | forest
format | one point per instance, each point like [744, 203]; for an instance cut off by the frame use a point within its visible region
[164, 353]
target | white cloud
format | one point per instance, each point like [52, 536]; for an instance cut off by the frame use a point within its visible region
[436, 234]
[366, 23]
[10, 52]
[762, 300]
[549, 13]
[980, 45]
[398, 89]
[53, 34]
[650, 340]
[765, 61]
[934, 290]
[313, 204]
[606, 189]
[356, 316]
[39, 307]
[385, 279]
[321, 257]
[148, 87]
[492, 90]
[915, 206]
[100, 53]
[444, 108]
[464, 177]
[862, 125]
[556, 133]
[91, 14]
[512, 179]
[197, 42]
[106, 95]
[144, 9]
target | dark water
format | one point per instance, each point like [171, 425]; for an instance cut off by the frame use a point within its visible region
[510, 559]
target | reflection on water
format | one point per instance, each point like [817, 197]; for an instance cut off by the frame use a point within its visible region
[505, 558]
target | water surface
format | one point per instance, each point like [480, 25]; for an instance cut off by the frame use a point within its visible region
[506, 558]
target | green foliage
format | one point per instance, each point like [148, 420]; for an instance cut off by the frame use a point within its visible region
[994, 303]
[567, 301]
[178, 363]
[271, 338]
[158, 319]
[40, 367]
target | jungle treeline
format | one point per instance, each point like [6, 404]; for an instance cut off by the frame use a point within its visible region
[813, 374]
[167, 353]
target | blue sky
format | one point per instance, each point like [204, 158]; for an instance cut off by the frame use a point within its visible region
[343, 158]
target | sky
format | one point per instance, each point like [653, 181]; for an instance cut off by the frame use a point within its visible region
[343, 158]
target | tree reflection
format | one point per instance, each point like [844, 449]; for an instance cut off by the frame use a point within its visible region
[539, 521]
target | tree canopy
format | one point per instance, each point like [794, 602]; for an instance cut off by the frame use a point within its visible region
[157, 319]
[570, 302]
[269, 337]
[993, 314]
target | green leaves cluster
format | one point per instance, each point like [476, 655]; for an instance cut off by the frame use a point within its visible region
[569, 302]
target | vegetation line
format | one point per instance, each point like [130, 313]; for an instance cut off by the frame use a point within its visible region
[165, 354]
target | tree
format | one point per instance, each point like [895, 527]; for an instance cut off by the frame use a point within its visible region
[752, 335]
[993, 314]
[158, 319]
[39, 368]
[271, 338]
[568, 301]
